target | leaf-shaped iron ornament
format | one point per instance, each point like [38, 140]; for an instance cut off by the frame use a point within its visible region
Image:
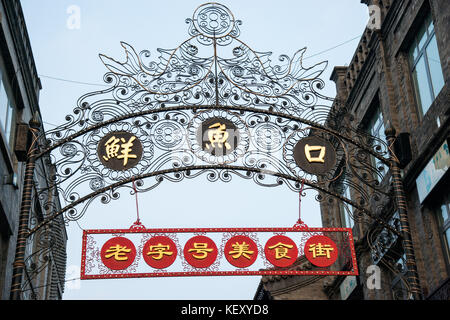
[222, 69]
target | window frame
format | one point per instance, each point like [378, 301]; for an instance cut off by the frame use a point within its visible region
[8, 124]
[444, 225]
[422, 53]
[374, 115]
[345, 212]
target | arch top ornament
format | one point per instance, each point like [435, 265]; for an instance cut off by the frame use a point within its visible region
[215, 67]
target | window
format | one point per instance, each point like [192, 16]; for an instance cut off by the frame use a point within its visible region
[426, 66]
[375, 127]
[398, 287]
[6, 112]
[346, 211]
[443, 212]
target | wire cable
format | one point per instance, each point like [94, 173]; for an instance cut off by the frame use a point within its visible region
[105, 85]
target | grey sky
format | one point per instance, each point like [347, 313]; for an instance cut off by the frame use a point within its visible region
[280, 26]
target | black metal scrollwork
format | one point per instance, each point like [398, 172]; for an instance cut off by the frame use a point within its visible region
[164, 103]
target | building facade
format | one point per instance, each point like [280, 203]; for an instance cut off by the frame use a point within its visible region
[44, 271]
[397, 78]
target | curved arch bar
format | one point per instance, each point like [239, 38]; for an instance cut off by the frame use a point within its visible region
[206, 167]
[233, 108]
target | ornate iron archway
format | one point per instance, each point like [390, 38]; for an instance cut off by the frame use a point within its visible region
[212, 106]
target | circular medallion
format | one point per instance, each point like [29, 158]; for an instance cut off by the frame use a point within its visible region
[159, 252]
[200, 252]
[119, 150]
[213, 20]
[218, 136]
[118, 253]
[281, 251]
[241, 251]
[307, 153]
[168, 135]
[321, 251]
[315, 155]
[268, 137]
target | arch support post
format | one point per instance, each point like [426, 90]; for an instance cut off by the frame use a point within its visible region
[400, 200]
[24, 214]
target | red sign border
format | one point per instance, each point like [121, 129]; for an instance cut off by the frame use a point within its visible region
[84, 276]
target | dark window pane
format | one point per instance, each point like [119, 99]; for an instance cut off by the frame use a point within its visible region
[422, 36]
[447, 239]
[430, 25]
[8, 126]
[3, 106]
[444, 212]
[376, 129]
[413, 53]
[437, 79]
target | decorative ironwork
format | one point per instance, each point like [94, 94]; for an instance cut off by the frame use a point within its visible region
[212, 81]
[211, 107]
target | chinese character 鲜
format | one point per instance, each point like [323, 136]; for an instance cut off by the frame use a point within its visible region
[112, 147]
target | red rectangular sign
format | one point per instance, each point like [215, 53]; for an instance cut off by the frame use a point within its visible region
[134, 253]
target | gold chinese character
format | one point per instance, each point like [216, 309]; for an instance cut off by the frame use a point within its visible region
[159, 251]
[281, 250]
[240, 249]
[201, 249]
[219, 135]
[126, 149]
[118, 252]
[320, 250]
[321, 156]
[112, 148]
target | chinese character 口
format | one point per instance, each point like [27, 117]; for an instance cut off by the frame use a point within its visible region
[319, 158]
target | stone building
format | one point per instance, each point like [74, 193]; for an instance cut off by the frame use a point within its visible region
[397, 77]
[45, 258]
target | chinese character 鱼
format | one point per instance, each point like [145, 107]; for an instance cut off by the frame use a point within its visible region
[218, 135]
